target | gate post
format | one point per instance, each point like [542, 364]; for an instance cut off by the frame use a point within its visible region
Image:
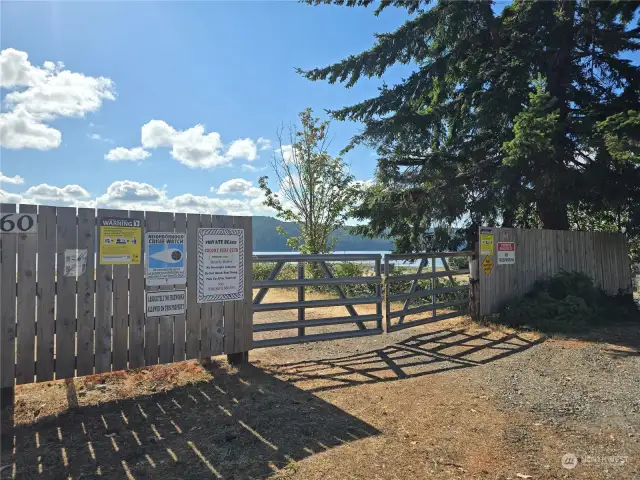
[474, 287]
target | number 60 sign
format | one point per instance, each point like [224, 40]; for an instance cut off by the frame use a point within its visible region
[18, 223]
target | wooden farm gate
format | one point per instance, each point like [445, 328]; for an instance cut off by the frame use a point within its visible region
[437, 290]
[366, 323]
[56, 324]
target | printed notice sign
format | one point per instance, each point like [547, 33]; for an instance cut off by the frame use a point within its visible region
[506, 253]
[166, 303]
[220, 264]
[166, 258]
[120, 241]
[75, 262]
[486, 244]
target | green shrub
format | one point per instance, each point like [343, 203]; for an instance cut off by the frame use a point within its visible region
[568, 302]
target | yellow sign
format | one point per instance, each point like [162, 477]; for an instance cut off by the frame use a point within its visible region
[486, 244]
[120, 241]
[487, 265]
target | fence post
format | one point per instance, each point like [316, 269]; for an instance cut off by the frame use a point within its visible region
[474, 286]
[301, 298]
[387, 306]
[378, 294]
[7, 397]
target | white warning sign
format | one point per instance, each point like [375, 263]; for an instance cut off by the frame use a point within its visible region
[170, 302]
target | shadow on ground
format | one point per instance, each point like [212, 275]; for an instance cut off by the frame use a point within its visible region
[424, 354]
[244, 425]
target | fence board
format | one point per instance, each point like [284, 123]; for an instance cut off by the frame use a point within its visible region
[151, 323]
[193, 308]
[136, 304]
[543, 253]
[230, 343]
[179, 320]
[119, 355]
[243, 325]
[207, 327]
[104, 277]
[86, 287]
[66, 296]
[8, 303]
[165, 323]
[46, 295]
[26, 313]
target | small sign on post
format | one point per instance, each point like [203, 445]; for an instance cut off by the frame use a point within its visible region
[506, 253]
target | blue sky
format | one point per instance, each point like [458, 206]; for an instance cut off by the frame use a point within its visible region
[228, 66]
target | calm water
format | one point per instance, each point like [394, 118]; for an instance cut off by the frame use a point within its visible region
[406, 263]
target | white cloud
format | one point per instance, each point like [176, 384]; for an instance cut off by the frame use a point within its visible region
[264, 143]
[238, 185]
[192, 147]
[19, 129]
[6, 197]
[98, 137]
[249, 168]
[286, 151]
[131, 195]
[15, 180]
[142, 196]
[127, 154]
[243, 148]
[69, 195]
[42, 94]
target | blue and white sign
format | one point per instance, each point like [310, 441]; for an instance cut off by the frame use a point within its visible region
[166, 255]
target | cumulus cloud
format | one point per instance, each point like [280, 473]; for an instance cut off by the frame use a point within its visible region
[249, 168]
[127, 154]
[192, 147]
[6, 197]
[41, 94]
[264, 143]
[243, 148]
[15, 180]
[19, 129]
[142, 196]
[286, 151]
[240, 186]
[67, 195]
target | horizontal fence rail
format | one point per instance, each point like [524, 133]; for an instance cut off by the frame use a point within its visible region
[432, 289]
[367, 324]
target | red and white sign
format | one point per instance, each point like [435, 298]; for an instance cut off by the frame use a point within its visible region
[506, 253]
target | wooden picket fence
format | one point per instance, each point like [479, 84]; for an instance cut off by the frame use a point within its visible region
[57, 326]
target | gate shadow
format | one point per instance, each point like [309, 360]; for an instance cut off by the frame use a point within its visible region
[424, 354]
[244, 425]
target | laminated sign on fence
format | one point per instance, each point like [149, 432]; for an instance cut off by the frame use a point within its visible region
[120, 240]
[220, 264]
[166, 303]
[166, 258]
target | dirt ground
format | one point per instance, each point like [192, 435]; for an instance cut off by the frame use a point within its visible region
[447, 400]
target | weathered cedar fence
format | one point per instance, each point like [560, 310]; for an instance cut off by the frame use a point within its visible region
[57, 326]
[604, 257]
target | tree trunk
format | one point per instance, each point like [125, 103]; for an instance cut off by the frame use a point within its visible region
[553, 214]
